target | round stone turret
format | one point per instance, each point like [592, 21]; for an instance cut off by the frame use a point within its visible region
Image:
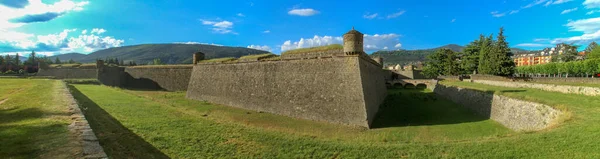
[198, 56]
[353, 42]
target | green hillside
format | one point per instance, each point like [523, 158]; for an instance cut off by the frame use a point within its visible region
[167, 53]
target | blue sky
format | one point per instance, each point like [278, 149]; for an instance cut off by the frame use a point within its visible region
[59, 26]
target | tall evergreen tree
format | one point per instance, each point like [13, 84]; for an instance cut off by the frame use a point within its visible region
[470, 56]
[31, 60]
[505, 66]
[17, 60]
[591, 47]
[443, 62]
[485, 65]
[57, 61]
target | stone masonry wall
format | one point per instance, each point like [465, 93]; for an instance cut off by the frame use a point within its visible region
[374, 88]
[69, 73]
[326, 89]
[589, 91]
[167, 78]
[515, 114]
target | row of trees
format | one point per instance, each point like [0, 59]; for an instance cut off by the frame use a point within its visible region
[14, 63]
[484, 56]
[584, 68]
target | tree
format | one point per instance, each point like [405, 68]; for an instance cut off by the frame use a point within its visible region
[57, 61]
[17, 60]
[484, 56]
[71, 61]
[31, 60]
[503, 55]
[591, 47]
[594, 54]
[157, 62]
[470, 56]
[116, 61]
[569, 53]
[443, 62]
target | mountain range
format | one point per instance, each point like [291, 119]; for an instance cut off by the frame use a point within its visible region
[182, 53]
[167, 53]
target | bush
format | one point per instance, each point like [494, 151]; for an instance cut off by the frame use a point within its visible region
[9, 72]
[586, 67]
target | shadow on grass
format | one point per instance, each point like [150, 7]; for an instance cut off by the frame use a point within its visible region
[116, 139]
[416, 107]
[20, 140]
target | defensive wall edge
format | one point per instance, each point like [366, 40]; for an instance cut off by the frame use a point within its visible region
[336, 89]
[170, 78]
[69, 73]
[515, 114]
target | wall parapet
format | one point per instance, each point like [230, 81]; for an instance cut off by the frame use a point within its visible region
[515, 114]
[589, 91]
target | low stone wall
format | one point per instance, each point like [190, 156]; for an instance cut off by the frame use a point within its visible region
[515, 114]
[80, 129]
[344, 90]
[589, 91]
[537, 79]
[69, 73]
[167, 78]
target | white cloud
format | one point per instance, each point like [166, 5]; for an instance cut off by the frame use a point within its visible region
[514, 12]
[84, 31]
[371, 42]
[267, 31]
[568, 10]
[590, 28]
[453, 20]
[17, 17]
[533, 45]
[541, 39]
[258, 47]
[97, 31]
[534, 3]
[303, 12]
[394, 15]
[591, 3]
[193, 42]
[63, 41]
[497, 14]
[590, 25]
[221, 27]
[370, 16]
[241, 15]
[556, 2]
[592, 12]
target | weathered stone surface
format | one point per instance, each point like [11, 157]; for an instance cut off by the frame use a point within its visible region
[168, 78]
[589, 91]
[69, 73]
[515, 114]
[346, 90]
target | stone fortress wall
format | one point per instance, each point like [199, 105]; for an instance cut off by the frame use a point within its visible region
[530, 83]
[170, 78]
[515, 114]
[69, 73]
[331, 86]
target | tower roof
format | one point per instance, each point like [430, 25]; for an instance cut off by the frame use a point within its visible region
[353, 31]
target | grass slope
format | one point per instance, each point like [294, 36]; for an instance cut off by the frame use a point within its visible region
[413, 123]
[33, 120]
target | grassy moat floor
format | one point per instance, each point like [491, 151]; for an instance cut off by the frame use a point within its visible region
[412, 124]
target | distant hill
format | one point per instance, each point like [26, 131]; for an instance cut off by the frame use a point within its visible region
[167, 53]
[68, 56]
[414, 56]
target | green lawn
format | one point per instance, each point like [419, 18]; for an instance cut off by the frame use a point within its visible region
[413, 123]
[33, 120]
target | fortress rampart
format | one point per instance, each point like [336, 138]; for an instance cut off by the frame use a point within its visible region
[69, 73]
[337, 89]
